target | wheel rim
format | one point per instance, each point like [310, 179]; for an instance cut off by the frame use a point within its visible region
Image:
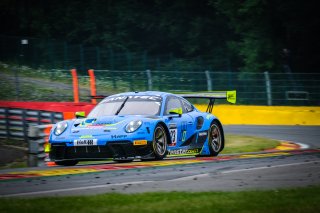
[215, 137]
[160, 141]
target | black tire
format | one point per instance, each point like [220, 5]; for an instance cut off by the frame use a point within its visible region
[123, 160]
[67, 162]
[159, 142]
[216, 138]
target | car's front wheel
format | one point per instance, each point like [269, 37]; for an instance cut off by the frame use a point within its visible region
[159, 142]
[66, 162]
[216, 138]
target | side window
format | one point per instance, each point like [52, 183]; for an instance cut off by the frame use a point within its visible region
[172, 103]
[187, 107]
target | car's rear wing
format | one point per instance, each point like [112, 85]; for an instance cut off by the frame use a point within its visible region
[230, 96]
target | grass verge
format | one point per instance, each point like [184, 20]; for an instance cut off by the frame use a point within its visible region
[284, 200]
[241, 143]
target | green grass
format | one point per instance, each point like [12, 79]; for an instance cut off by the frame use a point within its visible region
[240, 144]
[285, 200]
[37, 92]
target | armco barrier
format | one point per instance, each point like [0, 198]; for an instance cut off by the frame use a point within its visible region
[37, 141]
[32, 121]
[14, 123]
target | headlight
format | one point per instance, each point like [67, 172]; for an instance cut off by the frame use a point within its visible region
[60, 128]
[133, 126]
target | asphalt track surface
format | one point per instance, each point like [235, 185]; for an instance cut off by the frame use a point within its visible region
[226, 173]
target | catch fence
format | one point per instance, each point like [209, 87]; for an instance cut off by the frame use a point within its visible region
[266, 88]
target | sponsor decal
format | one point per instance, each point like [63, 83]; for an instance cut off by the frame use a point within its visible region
[85, 142]
[173, 135]
[209, 116]
[184, 133]
[202, 134]
[94, 126]
[172, 126]
[140, 142]
[134, 97]
[118, 136]
[60, 138]
[183, 151]
[86, 136]
[99, 125]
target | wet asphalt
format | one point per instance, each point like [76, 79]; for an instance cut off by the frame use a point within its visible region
[256, 173]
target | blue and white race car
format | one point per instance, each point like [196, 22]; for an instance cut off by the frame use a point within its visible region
[140, 125]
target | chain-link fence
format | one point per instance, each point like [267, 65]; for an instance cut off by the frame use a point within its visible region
[266, 88]
[40, 71]
[252, 88]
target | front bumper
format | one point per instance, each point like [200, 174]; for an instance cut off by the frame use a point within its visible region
[116, 150]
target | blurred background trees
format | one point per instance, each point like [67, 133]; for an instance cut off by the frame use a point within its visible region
[252, 35]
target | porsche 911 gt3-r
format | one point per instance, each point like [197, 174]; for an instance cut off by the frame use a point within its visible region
[140, 125]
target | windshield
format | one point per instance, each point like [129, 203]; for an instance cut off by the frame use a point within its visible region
[134, 105]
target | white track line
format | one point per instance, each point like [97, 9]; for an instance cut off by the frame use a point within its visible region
[99, 186]
[190, 177]
[302, 145]
[75, 189]
[268, 167]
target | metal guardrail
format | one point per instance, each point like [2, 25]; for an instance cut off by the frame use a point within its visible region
[37, 139]
[32, 126]
[14, 123]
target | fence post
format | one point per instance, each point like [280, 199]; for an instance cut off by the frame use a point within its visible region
[92, 86]
[149, 79]
[75, 85]
[268, 88]
[209, 83]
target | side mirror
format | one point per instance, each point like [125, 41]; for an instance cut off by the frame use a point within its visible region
[80, 114]
[176, 111]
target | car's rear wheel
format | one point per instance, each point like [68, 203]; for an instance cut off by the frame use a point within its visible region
[216, 138]
[66, 162]
[159, 142]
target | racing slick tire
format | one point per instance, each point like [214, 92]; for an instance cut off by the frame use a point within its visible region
[124, 160]
[67, 162]
[159, 142]
[216, 138]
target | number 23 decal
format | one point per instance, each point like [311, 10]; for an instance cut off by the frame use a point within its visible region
[173, 135]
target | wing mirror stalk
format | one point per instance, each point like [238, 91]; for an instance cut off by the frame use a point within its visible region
[175, 113]
[80, 114]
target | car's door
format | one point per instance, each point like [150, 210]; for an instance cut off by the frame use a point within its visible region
[178, 125]
[190, 124]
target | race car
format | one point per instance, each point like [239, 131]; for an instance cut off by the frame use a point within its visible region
[147, 125]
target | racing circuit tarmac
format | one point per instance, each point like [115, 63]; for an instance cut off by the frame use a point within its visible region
[283, 168]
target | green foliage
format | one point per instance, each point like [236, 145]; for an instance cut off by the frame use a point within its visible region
[258, 30]
[285, 200]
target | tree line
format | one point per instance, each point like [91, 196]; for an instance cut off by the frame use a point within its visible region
[254, 35]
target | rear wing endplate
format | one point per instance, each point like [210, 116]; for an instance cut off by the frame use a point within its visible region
[230, 96]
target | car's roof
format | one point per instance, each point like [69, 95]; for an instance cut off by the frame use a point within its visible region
[147, 93]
